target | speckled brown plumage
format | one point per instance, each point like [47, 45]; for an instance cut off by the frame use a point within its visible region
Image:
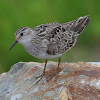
[51, 40]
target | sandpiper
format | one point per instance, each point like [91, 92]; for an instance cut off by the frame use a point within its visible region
[51, 40]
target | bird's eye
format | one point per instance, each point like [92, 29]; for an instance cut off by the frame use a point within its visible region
[21, 34]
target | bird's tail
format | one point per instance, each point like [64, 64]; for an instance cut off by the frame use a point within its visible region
[80, 24]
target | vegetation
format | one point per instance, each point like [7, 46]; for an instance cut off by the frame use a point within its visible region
[30, 13]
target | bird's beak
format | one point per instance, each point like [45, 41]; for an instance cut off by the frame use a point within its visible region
[13, 44]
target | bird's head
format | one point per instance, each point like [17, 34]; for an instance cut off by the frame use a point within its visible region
[22, 36]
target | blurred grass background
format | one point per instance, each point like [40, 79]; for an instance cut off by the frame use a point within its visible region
[30, 13]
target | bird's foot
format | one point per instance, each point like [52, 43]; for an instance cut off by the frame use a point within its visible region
[53, 76]
[40, 77]
[56, 75]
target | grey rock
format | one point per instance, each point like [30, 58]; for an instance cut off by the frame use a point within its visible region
[75, 81]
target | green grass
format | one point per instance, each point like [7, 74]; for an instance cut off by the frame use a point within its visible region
[30, 13]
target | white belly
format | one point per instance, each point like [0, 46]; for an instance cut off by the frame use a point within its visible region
[40, 54]
[47, 56]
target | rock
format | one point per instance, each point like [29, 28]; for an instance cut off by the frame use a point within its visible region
[75, 81]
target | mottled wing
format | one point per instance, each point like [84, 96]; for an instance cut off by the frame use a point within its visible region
[61, 37]
[58, 35]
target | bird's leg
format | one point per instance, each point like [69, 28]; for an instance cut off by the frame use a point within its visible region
[59, 61]
[41, 76]
[57, 70]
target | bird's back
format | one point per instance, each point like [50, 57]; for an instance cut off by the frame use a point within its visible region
[60, 37]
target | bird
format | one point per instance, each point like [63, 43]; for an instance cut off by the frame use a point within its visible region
[50, 40]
